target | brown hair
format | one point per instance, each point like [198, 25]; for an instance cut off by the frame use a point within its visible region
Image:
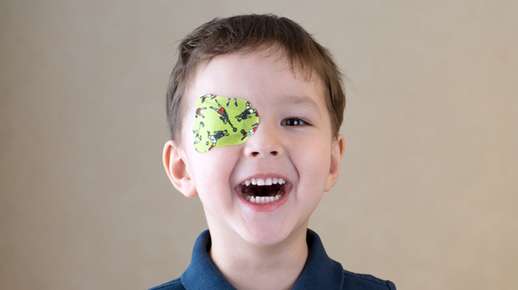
[247, 33]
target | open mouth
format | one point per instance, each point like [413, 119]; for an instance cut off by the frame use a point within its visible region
[263, 190]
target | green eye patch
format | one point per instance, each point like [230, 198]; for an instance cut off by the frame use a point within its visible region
[222, 121]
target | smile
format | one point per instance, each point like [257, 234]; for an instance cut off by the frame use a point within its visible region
[264, 190]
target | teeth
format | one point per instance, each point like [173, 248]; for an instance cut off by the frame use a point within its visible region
[262, 181]
[263, 199]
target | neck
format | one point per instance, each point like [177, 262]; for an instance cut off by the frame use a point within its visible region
[250, 267]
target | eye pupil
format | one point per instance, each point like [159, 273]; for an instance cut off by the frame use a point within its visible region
[294, 122]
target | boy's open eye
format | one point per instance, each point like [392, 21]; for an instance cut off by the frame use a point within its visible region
[293, 121]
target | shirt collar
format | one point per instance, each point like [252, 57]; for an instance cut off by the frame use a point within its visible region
[319, 272]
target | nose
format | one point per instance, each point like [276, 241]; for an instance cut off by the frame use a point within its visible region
[265, 143]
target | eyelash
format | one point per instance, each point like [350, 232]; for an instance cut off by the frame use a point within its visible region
[294, 120]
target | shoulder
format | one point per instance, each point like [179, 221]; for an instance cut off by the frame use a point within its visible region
[365, 282]
[175, 284]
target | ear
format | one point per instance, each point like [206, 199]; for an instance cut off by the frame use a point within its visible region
[337, 154]
[174, 161]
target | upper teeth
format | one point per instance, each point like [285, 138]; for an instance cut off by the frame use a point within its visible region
[264, 181]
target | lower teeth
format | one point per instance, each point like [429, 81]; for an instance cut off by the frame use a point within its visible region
[263, 199]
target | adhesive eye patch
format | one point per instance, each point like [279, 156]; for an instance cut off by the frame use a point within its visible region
[222, 121]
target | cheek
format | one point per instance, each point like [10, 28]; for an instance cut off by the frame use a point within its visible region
[313, 162]
[212, 174]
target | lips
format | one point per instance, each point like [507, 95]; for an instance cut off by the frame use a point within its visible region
[264, 185]
[264, 189]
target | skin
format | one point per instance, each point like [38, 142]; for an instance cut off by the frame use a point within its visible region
[259, 250]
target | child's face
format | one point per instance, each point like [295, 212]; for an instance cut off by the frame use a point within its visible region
[306, 156]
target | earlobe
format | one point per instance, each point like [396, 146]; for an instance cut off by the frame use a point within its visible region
[176, 169]
[337, 153]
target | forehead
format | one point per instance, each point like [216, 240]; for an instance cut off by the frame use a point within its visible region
[264, 77]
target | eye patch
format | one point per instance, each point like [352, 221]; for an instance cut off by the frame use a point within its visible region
[222, 121]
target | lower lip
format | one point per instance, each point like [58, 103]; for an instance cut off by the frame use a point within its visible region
[266, 207]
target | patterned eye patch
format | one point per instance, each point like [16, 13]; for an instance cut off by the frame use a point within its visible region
[222, 121]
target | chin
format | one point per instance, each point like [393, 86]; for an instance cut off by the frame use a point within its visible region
[265, 236]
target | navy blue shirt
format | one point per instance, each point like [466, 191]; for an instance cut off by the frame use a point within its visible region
[319, 272]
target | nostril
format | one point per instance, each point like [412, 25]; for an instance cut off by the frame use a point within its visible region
[257, 153]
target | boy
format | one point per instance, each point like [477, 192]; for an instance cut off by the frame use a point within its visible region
[255, 106]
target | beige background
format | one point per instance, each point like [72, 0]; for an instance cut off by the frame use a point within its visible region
[428, 195]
